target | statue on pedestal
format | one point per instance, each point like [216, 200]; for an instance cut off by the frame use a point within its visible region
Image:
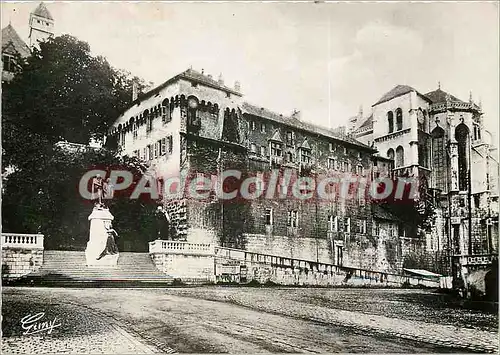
[101, 248]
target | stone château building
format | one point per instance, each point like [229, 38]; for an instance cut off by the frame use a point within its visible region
[194, 124]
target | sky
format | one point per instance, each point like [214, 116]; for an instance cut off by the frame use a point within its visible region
[325, 60]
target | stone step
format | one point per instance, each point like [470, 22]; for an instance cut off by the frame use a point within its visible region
[68, 268]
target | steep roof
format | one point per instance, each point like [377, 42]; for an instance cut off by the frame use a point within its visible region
[380, 212]
[296, 123]
[193, 75]
[398, 90]
[12, 42]
[190, 75]
[438, 96]
[42, 11]
[367, 123]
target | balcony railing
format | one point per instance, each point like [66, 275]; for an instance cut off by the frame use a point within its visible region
[480, 259]
[25, 241]
[184, 248]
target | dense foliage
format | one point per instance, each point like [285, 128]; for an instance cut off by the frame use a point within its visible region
[64, 93]
[46, 199]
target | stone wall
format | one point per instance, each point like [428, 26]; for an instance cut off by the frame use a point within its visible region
[185, 267]
[17, 262]
[240, 266]
[21, 254]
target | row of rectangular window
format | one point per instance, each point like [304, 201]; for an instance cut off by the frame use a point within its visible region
[306, 158]
[153, 151]
[166, 117]
[290, 137]
[333, 221]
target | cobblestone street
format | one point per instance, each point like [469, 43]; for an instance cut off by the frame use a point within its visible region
[234, 320]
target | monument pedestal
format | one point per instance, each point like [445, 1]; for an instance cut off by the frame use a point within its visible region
[100, 218]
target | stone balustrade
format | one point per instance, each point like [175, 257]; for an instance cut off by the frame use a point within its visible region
[25, 241]
[176, 247]
[21, 254]
[480, 259]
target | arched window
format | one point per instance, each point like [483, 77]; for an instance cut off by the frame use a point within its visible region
[399, 119]
[462, 138]
[439, 161]
[193, 118]
[390, 154]
[390, 121]
[400, 157]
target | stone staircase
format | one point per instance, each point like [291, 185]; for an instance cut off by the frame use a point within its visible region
[68, 268]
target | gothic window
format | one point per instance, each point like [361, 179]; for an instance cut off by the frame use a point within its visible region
[252, 125]
[262, 128]
[263, 151]
[390, 121]
[331, 163]
[290, 139]
[253, 148]
[289, 157]
[122, 138]
[438, 154]
[423, 154]
[399, 119]
[400, 159]
[135, 130]
[390, 154]
[462, 138]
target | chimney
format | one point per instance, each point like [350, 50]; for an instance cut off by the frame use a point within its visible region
[209, 76]
[221, 79]
[296, 114]
[237, 86]
[202, 71]
[135, 91]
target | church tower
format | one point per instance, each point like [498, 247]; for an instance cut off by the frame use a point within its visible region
[41, 25]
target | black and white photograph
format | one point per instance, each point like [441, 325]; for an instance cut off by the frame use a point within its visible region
[249, 177]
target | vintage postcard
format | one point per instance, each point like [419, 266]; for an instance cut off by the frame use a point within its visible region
[249, 177]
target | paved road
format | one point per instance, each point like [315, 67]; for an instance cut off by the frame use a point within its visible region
[235, 320]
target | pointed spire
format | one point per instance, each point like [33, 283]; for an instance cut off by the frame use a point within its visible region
[221, 79]
[470, 97]
[439, 85]
[361, 111]
[480, 104]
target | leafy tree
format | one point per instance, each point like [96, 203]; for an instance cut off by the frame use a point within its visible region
[62, 92]
[46, 198]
